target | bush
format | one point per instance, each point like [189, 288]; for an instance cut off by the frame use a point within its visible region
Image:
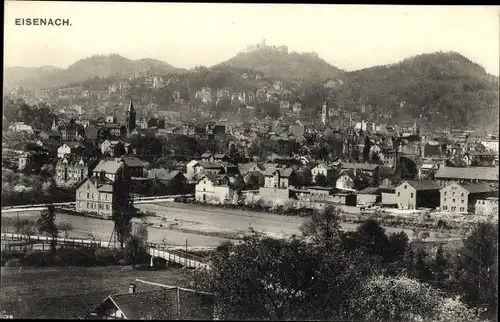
[64, 257]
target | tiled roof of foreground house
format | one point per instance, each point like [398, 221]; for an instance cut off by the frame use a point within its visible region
[161, 304]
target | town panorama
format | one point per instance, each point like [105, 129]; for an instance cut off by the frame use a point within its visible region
[272, 186]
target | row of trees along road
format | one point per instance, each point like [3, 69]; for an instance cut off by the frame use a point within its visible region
[360, 275]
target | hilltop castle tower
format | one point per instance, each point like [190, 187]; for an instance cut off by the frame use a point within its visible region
[131, 117]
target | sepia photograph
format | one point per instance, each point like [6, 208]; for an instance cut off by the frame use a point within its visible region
[232, 161]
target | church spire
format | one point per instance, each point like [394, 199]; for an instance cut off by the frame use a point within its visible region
[131, 117]
[130, 108]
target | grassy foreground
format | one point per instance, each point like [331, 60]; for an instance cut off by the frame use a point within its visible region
[70, 292]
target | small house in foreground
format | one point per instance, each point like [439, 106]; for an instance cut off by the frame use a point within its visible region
[163, 303]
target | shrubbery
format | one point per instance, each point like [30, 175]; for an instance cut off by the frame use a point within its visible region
[22, 189]
[357, 275]
[70, 257]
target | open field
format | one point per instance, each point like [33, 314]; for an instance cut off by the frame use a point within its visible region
[69, 292]
[200, 225]
[102, 229]
[193, 217]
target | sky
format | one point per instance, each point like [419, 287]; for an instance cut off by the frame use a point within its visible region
[185, 35]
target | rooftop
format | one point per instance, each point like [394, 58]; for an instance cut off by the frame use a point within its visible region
[360, 166]
[109, 166]
[282, 172]
[476, 187]
[131, 161]
[162, 304]
[471, 173]
[423, 185]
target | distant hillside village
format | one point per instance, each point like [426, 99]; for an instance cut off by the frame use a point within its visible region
[358, 167]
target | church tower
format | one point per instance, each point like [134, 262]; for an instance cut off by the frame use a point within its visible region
[416, 127]
[131, 117]
[323, 113]
[54, 124]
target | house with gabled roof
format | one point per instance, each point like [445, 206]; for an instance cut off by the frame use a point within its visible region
[350, 180]
[70, 148]
[213, 188]
[213, 168]
[487, 207]
[369, 196]
[221, 157]
[244, 168]
[113, 169]
[278, 178]
[113, 147]
[448, 175]
[192, 169]
[135, 166]
[321, 169]
[160, 303]
[105, 190]
[418, 194]
[462, 197]
[95, 194]
[71, 169]
[372, 170]
[166, 182]
[207, 157]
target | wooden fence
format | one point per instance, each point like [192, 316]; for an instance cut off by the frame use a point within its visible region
[59, 240]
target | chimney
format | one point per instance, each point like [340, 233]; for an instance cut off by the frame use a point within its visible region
[131, 288]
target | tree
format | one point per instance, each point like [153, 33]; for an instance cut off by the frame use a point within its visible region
[320, 180]
[395, 252]
[355, 154]
[65, 227]
[440, 266]
[393, 299]
[423, 270]
[237, 183]
[135, 248]
[46, 224]
[371, 238]
[304, 176]
[255, 181]
[366, 149]
[260, 279]
[26, 227]
[122, 216]
[404, 299]
[478, 262]
[323, 226]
